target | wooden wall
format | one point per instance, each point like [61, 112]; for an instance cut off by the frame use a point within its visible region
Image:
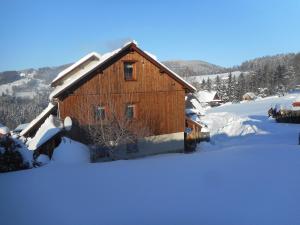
[158, 97]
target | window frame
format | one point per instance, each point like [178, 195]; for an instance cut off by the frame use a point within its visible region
[98, 115]
[133, 75]
[134, 114]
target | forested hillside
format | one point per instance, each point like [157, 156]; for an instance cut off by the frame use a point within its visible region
[264, 76]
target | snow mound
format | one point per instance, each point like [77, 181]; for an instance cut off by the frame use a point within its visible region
[230, 124]
[238, 128]
[70, 151]
[26, 155]
[43, 159]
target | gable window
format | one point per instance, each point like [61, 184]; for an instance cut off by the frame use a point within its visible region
[130, 111]
[129, 71]
[100, 113]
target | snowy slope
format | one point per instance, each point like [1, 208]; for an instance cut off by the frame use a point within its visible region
[242, 178]
[27, 83]
[197, 67]
[26, 87]
[222, 76]
[247, 124]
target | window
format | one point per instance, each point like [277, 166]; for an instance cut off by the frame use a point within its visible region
[132, 147]
[128, 71]
[130, 111]
[100, 112]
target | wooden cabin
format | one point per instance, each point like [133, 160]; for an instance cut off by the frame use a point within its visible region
[296, 103]
[132, 83]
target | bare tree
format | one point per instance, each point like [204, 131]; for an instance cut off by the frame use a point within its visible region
[113, 125]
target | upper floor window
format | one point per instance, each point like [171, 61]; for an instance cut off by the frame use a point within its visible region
[100, 112]
[130, 111]
[129, 71]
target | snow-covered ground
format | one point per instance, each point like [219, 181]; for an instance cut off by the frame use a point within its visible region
[249, 174]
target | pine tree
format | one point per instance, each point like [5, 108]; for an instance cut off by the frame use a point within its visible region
[218, 83]
[278, 77]
[290, 78]
[234, 89]
[203, 84]
[208, 84]
[241, 86]
[252, 85]
[230, 88]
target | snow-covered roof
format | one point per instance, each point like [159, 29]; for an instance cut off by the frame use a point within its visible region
[76, 64]
[44, 133]
[3, 129]
[46, 111]
[194, 119]
[82, 73]
[206, 96]
[191, 111]
[96, 63]
[21, 127]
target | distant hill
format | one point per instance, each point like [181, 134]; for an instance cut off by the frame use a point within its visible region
[193, 67]
[27, 83]
[290, 59]
[9, 76]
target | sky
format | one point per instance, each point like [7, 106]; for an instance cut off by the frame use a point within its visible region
[224, 32]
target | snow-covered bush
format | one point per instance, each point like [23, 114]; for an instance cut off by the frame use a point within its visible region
[10, 158]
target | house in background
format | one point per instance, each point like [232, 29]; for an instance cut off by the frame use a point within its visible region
[249, 96]
[296, 103]
[141, 88]
[210, 98]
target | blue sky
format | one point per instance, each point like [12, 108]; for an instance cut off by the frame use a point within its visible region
[49, 33]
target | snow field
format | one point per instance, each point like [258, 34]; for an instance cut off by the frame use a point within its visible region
[249, 174]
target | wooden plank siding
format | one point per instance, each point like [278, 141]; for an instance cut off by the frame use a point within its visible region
[195, 134]
[159, 98]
